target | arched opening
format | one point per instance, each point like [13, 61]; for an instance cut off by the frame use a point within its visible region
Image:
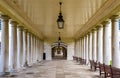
[59, 52]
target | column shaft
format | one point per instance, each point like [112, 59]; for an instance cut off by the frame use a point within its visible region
[19, 46]
[86, 47]
[4, 54]
[24, 62]
[115, 42]
[100, 44]
[106, 43]
[94, 45]
[29, 48]
[13, 46]
[80, 48]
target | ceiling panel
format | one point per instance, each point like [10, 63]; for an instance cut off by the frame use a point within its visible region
[44, 13]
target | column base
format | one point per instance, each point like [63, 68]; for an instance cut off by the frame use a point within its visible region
[6, 74]
[26, 64]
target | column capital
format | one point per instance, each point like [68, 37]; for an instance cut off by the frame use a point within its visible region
[13, 22]
[28, 32]
[99, 26]
[4, 17]
[25, 30]
[80, 38]
[20, 28]
[115, 18]
[88, 33]
[93, 30]
[105, 23]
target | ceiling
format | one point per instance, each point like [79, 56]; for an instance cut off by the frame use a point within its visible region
[43, 15]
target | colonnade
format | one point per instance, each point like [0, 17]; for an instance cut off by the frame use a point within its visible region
[101, 43]
[19, 47]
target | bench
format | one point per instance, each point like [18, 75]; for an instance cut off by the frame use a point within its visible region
[83, 61]
[109, 71]
[75, 58]
[80, 60]
[101, 68]
[115, 72]
[93, 65]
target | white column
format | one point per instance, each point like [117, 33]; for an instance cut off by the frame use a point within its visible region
[100, 44]
[34, 61]
[29, 48]
[106, 43]
[19, 46]
[37, 53]
[4, 54]
[75, 49]
[42, 47]
[80, 48]
[90, 46]
[13, 46]
[40, 50]
[32, 50]
[115, 42]
[83, 48]
[24, 63]
[94, 44]
[86, 47]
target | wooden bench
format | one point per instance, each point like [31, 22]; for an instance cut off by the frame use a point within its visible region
[101, 68]
[109, 71]
[80, 60]
[93, 65]
[96, 65]
[75, 58]
[90, 64]
[83, 61]
[115, 72]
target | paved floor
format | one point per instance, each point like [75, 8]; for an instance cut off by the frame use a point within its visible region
[57, 69]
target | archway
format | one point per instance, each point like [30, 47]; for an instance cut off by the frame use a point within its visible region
[59, 52]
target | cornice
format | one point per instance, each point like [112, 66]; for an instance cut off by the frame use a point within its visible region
[111, 7]
[11, 9]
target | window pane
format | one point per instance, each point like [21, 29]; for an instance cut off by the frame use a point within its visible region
[0, 24]
[119, 24]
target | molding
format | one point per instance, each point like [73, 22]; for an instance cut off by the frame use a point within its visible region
[110, 8]
[11, 9]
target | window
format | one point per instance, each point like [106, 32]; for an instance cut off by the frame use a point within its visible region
[119, 24]
[0, 24]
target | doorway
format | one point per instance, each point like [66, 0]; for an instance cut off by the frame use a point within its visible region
[59, 53]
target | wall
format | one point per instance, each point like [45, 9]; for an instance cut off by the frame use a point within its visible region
[47, 50]
[70, 49]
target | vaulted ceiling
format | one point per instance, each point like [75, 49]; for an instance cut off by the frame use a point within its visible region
[42, 14]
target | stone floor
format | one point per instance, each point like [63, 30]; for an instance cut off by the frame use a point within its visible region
[57, 69]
